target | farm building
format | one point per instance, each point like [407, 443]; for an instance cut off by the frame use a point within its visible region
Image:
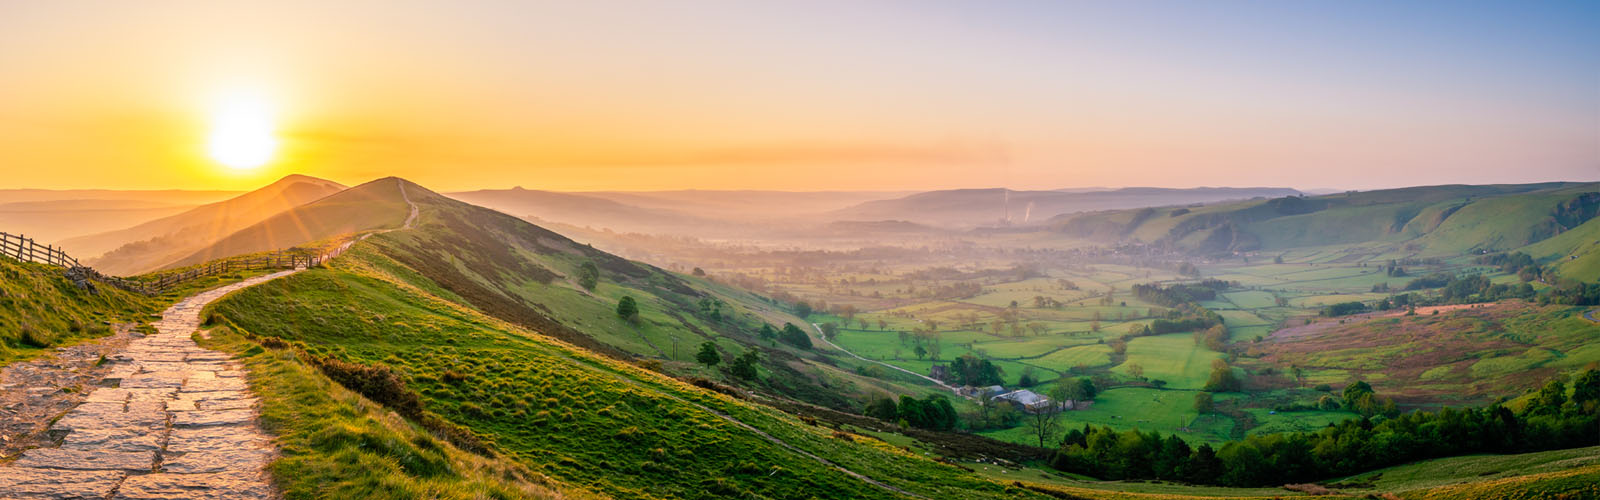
[1028, 399]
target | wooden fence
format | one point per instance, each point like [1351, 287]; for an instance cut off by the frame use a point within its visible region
[25, 249]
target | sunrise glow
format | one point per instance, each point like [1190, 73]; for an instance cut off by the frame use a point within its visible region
[242, 131]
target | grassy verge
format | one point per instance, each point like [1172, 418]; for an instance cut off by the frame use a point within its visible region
[41, 309]
[337, 444]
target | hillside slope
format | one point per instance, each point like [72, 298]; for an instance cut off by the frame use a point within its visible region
[551, 406]
[525, 274]
[377, 204]
[1425, 221]
[156, 244]
[43, 309]
[973, 207]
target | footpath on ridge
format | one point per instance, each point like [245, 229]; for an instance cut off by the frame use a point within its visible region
[172, 420]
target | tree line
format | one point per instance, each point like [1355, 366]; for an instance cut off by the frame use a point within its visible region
[1550, 420]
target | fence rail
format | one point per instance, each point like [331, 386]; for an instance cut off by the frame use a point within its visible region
[25, 249]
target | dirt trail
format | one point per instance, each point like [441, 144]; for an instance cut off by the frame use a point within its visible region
[171, 420]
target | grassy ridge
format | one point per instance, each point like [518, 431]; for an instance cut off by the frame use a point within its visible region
[564, 412]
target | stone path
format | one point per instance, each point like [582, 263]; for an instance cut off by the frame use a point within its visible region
[172, 420]
[36, 392]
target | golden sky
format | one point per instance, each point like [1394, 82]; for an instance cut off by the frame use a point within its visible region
[804, 95]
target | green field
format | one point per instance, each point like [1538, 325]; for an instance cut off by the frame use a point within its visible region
[1173, 358]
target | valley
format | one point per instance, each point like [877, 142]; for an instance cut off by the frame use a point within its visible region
[504, 341]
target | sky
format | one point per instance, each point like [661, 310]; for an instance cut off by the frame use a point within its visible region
[813, 95]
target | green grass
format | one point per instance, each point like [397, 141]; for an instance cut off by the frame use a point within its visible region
[1172, 357]
[562, 412]
[1473, 468]
[44, 310]
[337, 444]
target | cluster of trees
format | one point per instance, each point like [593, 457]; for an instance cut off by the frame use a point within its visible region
[1552, 420]
[934, 412]
[743, 365]
[1470, 288]
[1185, 317]
[791, 335]
[1176, 295]
[711, 309]
[969, 370]
[1214, 338]
[1343, 309]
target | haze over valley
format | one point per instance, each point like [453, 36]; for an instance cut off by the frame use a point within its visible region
[1018, 250]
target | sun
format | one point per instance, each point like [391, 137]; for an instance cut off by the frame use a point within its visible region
[242, 135]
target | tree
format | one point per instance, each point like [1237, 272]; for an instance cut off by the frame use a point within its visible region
[1043, 422]
[802, 309]
[829, 330]
[744, 366]
[792, 335]
[1203, 403]
[1222, 378]
[768, 333]
[1028, 379]
[1354, 392]
[883, 409]
[882, 324]
[1136, 371]
[1549, 399]
[628, 309]
[708, 354]
[698, 272]
[588, 275]
[920, 351]
[1586, 389]
[1037, 328]
[1078, 389]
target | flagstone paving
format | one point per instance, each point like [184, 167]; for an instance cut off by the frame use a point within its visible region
[170, 420]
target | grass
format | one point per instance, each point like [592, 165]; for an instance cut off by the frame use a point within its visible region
[1476, 468]
[44, 310]
[337, 444]
[1171, 357]
[562, 412]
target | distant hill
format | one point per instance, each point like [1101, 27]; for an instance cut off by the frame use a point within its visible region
[51, 221]
[579, 210]
[980, 207]
[1427, 221]
[157, 243]
[378, 204]
[746, 205]
[162, 196]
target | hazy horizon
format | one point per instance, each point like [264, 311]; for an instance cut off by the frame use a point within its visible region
[733, 95]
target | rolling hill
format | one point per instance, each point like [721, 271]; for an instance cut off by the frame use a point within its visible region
[379, 204]
[483, 315]
[976, 207]
[159, 243]
[1419, 221]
